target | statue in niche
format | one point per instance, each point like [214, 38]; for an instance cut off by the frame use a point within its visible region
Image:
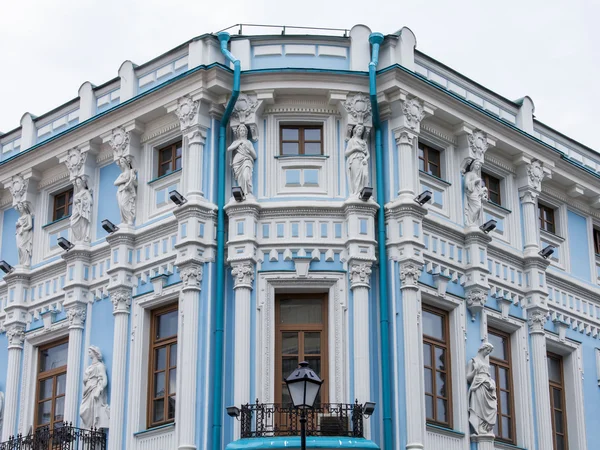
[126, 184]
[475, 194]
[24, 233]
[243, 159]
[81, 218]
[357, 161]
[94, 411]
[482, 392]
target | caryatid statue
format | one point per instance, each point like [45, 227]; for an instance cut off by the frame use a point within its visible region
[127, 184]
[483, 403]
[357, 161]
[94, 411]
[243, 159]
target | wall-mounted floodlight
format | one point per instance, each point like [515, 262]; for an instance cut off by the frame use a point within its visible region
[368, 409]
[177, 198]
[366, 193]
[233, 411]
[5, 267]
[547, 251]
[238, 193]
[490, 225]
[65, 244]
[423, 197]
[109, 227]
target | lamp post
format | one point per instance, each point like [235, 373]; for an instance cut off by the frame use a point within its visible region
[304, 386]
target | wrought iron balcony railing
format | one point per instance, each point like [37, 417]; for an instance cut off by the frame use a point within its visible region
[65, 437]
[326, 419]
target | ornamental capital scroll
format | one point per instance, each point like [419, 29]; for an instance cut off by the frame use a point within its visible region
[187, 112]
[76, 316]
[478, 145]
[191, 276]
[16, 336]
[536, 319]
[75, 160]
[119, 142]
[121, 301]
[409, 275]
[360, 275]
[18, 187]
[535, 174]
[476, 299]
[413, 111]
[243, 274]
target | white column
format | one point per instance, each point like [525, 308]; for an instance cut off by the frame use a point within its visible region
[121, 300]
[189, 311]
[530, 220]
[76, 316]
[408, 165]
[536, 319]
[16, 337]
[413, 355]
[486, 441]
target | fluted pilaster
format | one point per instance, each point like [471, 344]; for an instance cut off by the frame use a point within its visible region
[16, 338]
[76, 317]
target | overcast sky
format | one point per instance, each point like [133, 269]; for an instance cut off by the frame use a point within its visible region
[546, 49]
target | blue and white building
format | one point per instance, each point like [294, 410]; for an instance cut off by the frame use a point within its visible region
[120, 233]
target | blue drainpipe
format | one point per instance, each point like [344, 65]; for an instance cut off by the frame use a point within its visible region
[220, 263]
[386, 387]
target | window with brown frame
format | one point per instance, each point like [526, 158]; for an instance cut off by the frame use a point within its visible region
[63, 204]
[493, 186]
[546, 214]
[163, 366]
[500, 368]
[301, 140]
[557, 401]
[51, 385]
[429, 160]
[597, 241]
[436, 359]
[169, 158]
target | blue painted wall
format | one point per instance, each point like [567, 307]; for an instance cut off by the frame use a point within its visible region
[108, 208]
[300, 61]
[579, 246]
[9, 252]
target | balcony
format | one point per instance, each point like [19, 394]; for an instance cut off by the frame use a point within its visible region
[65, 437]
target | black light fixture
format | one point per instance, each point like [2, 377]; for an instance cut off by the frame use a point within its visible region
[177, 198]
[490, 225]
[5, 267]
[366, 193]
[65, 244]
[368, 408]
[238, 193]
[109, 227]
[423, 197]
[547, 251]
[304, 386]
[233, 411]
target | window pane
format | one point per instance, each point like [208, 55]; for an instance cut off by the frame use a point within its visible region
[158, 408]
[557, 394]
[558, 421]
[166, 325]
[61, 384]
[173, 356]
[178, 164]
[440, 358]
[312, 343]
[288, 365]
[494, 197]
[503, 375]
[160, 358]
[171, 406]
[560, 443]
[289, 343]
[315, 364]
[433, 325]
[159, 384]
[312, 148]
[178, 151]
[60, 201]
[53, 357]
[59, 409]
[441, 410]
[429, 407]
[440, 384]
[289, 148]
[554, 370]
[499, 346]
[427, 354]
[172, 381]
[44, 412]
[505, 402]
[285, 396]
[421, 165]
[428, 381]
[294, 311]
[70, 209]
[289, 134]
[506, 431]
[45, 389]
[312, 134]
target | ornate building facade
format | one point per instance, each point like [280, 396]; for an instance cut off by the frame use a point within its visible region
[178, 239]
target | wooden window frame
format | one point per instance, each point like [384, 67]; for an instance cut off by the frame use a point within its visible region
[173, 158]
[322, 327]
[506, 364]
[68, 193]
[301, 141]
[445, 344]
[486, 177]
[561, 387]
[427, 161]
[155, 344]
[48, 374]
[545, 223]
[596, 234]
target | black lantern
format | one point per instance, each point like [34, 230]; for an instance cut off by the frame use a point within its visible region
[304, 386]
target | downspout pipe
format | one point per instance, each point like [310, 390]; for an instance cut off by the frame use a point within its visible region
[375, 39]
[220, 260]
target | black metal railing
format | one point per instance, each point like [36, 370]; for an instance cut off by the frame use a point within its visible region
[325, 419]
[65, 437]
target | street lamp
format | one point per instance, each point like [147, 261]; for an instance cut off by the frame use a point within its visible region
[304, 386]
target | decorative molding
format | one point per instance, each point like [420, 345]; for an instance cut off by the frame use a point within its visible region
[303, 109]
[18, 188]
[535, 174]
[187, 112]
[478, 144]
[243, 274]
[412, 109]
[476, 299]
[427, 128]
[75, 160]
[157, 132]
[119, 142]
[57, 174]
[360, 275]
[358, 108]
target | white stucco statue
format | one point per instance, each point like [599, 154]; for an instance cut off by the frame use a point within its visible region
[94, 411]
[243, 159]
[81, 218]
[126, 184]
[357, 161]
[475, 194]
[482, 392]
[24, 233]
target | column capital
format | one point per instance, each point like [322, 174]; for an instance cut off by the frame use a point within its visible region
[536, 319]
[191, 275]
[410, 272]
[121, 300]
[76, 315]
[16, 336]
[360, 274]
[243, 274]
[404, 136]
[413, 113]
[196, 135]
[187, 112]
[476, 298]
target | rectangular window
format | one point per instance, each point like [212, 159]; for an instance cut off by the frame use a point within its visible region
[557, 401]
[163, 367]
[546, 214]
[436, 359]
[429, 160]
[63, 204]
[51, 385]
[597, 241]
[169, 158]
[493, 186]
[301, 140]
[500, 368]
